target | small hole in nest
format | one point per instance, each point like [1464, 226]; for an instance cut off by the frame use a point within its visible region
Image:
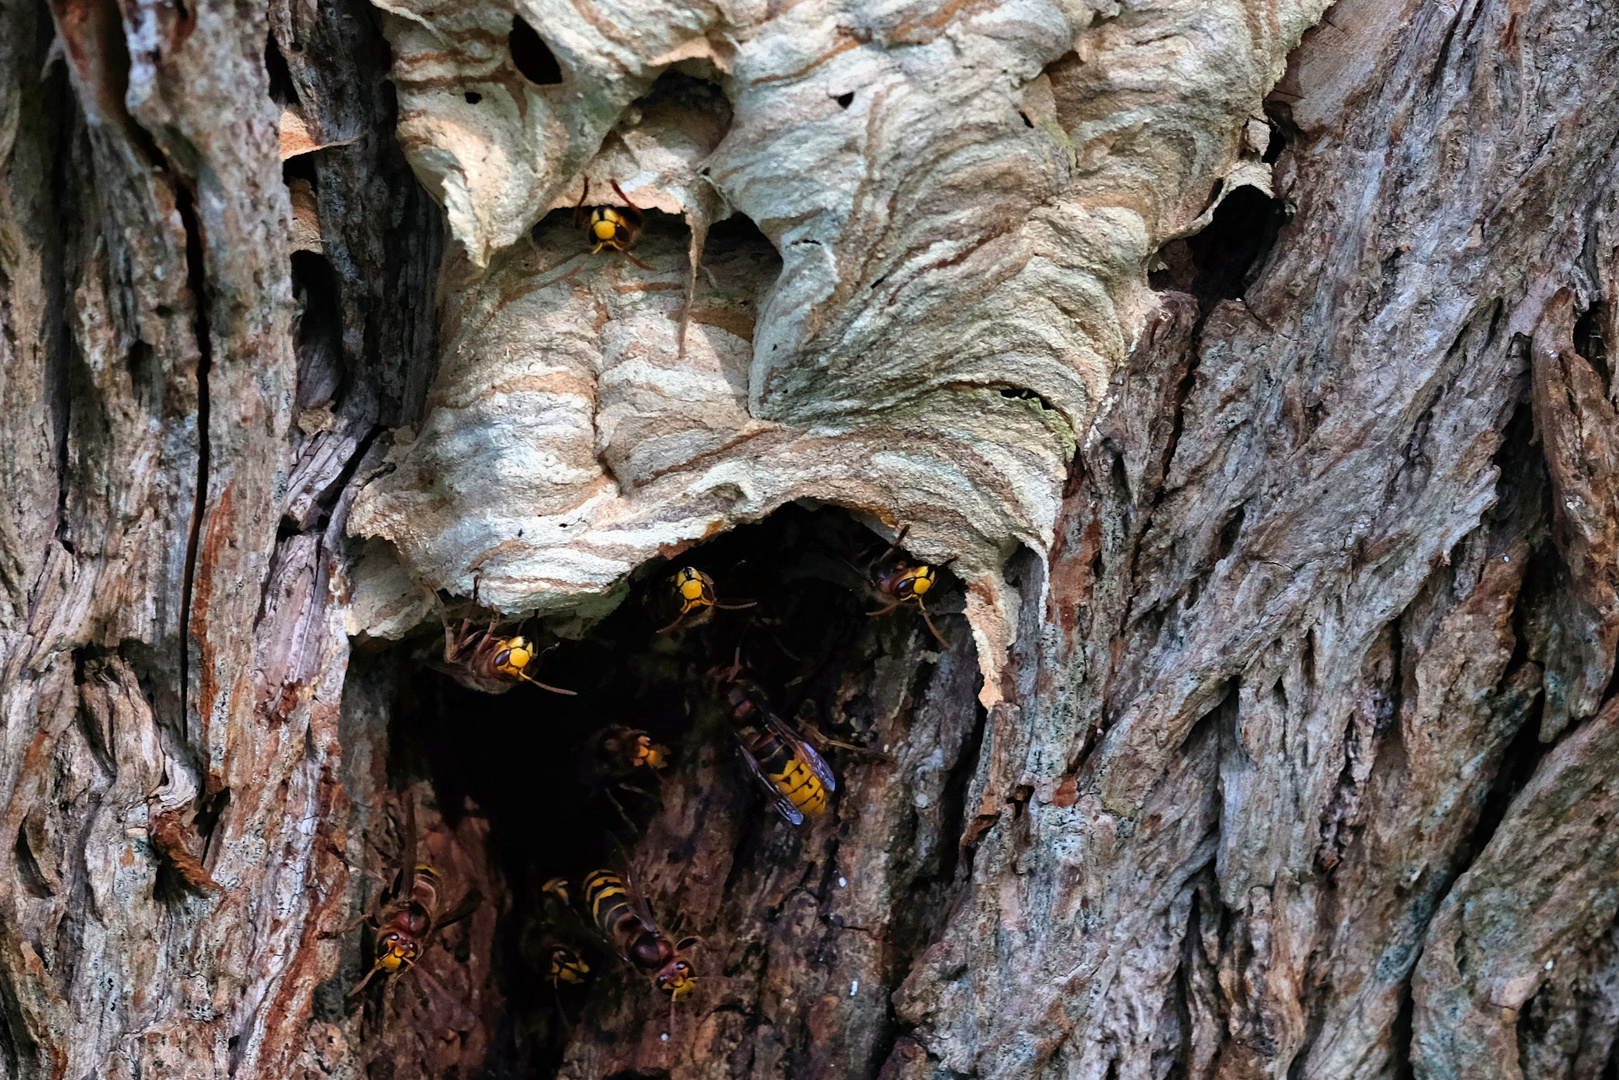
[1026, 121]
[532, 56]
[845, 100]
[473, 97]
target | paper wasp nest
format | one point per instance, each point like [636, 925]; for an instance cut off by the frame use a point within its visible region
[958, 205]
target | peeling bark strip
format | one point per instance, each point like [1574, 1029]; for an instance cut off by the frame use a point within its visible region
[1273, 735]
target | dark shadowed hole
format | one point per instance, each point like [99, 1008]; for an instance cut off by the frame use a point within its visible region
[517, 756]
[845, 100]
[33, 878]
[738, 237]
[1590, 343]
[282, 89]
[1175, 271]
[1283, 131]
[1023, 393]
[1278, 143]
[531, 55]
[300, 167]
[1229, 251]
[1400, 1034]
[1518, 762]
[17, 1045]
[168, 884]
[209, 811]
[320, 329]
[1229, 532]
[145, 375]
[1220, 262]
[472, 97]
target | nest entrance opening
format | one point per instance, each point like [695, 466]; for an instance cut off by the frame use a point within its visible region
[531, 56]
[522, 758]
[1220, 262]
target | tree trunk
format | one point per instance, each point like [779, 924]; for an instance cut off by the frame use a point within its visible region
[1242, 366]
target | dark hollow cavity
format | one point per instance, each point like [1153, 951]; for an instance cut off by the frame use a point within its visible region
[531, 55]
[514, 758]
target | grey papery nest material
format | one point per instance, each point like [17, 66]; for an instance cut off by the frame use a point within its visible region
[955, 219]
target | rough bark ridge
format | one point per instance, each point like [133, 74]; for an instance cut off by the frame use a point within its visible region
[1294, 660]
[1288, 549]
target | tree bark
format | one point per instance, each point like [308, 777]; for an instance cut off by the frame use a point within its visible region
[1243, 366]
